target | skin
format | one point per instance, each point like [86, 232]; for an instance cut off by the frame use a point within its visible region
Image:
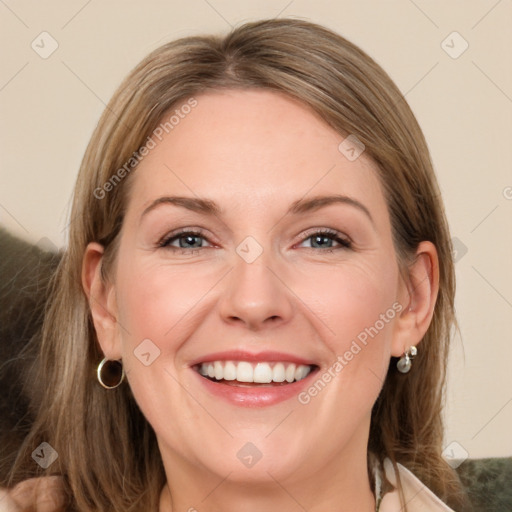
[254, 153]
[43, 494]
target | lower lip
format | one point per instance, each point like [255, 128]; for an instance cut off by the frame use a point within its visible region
[257, 396]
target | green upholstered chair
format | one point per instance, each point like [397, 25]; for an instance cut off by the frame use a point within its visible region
[488, 483]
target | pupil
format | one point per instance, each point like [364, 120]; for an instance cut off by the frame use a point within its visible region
[190, 239]
[318, 239]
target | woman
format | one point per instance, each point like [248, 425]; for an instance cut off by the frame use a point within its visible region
[255, 306]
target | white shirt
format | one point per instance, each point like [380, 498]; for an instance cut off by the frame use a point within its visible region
[418, 497]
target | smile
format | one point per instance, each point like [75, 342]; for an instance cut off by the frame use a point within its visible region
[236, 372]
[247, 379]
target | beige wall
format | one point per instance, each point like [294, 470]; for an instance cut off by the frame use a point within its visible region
[49, 108]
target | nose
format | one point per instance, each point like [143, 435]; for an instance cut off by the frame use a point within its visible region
[256, 295]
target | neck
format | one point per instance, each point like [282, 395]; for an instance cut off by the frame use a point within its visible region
[342, 485]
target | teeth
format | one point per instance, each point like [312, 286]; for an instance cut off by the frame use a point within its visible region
[218, 370]
[289, 374]
[229, 371]
[301, 372]
[262, 373]
[278, 373]
[244, 372]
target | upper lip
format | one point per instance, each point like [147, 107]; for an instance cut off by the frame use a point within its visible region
[242, 355]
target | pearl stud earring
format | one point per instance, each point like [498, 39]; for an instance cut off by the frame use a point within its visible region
[405, 362]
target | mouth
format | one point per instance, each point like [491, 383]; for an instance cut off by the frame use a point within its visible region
[254, 374]
[253, 380]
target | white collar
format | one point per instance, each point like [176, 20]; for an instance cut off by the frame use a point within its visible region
[418, 497]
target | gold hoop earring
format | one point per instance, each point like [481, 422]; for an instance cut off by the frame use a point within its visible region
[110, 373]
[405, 362]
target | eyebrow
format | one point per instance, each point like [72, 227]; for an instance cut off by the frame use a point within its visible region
[301, 206]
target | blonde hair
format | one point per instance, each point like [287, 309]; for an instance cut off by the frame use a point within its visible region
[108, 453]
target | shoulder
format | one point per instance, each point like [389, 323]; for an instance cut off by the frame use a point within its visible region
[417, 496]
[44, 494]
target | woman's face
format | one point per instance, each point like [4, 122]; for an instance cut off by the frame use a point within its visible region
[285, 258]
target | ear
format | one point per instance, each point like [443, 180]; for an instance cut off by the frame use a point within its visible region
[418, 295]
[102, 301]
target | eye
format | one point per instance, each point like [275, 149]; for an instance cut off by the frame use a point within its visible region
[323, 239]
[189, 241]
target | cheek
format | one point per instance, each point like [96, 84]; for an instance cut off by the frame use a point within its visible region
[156, 301]
[155, 307]
[353, 299]
[159, 308]
[357, 305]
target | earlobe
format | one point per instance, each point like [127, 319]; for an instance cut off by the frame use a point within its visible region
[419, 293]
[102, 303]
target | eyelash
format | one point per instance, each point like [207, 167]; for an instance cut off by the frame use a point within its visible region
[331, 234]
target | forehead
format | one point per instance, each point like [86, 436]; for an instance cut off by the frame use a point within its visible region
[251, 149]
